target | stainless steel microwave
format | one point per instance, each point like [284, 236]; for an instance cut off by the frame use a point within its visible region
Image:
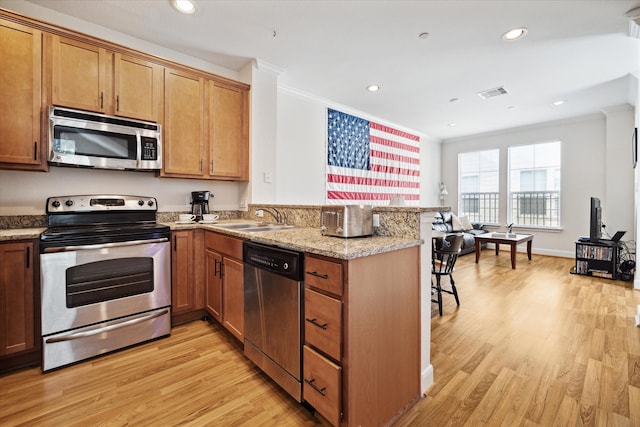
[80, 138]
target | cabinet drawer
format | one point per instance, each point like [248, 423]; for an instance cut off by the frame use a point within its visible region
[325, 275]
[323, 323]
[322, 386]
[224, 244]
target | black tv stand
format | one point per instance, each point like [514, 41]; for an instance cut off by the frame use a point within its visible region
[598, 259]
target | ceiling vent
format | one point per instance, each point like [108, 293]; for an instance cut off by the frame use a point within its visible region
[492, 93]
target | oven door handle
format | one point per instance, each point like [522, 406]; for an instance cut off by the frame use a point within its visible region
[101, 329]
[104, 245]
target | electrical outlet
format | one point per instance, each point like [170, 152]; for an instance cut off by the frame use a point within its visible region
[376, 220]
[260, 213]
[243, 203]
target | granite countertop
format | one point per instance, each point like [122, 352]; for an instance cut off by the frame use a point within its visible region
[20, 234]
[303, 239]
[312, 241]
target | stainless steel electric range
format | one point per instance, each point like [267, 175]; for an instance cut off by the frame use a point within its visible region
[105, 276]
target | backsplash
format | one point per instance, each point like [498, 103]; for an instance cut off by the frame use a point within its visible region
[394, 221]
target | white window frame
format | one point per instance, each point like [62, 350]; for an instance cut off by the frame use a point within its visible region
[551, 197]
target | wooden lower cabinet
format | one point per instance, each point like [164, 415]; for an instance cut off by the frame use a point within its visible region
[225, 281]
[322, 386]
[19, 316]
[361, 358]
[187, 296]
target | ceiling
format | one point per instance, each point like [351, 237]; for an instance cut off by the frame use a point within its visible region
[577, 51]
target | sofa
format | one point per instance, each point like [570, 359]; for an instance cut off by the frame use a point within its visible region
[447, 222]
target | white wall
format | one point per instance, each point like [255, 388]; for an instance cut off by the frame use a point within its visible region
[302, 140]
[586, 152]
[25, 193]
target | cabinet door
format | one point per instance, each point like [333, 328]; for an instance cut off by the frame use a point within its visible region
[138, 88]
[233, 296]
[81, 75]
[20, 99]
[213, 291]
[16, 298]
[183, 124]
[228, 132]
[182, 272]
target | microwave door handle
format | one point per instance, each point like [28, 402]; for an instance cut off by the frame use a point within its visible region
[105, 245]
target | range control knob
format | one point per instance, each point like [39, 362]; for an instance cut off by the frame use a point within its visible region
[69, 203]
[140, 202]
[150, 202]
[55, 203]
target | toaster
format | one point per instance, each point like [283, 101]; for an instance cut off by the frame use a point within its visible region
[346, 221]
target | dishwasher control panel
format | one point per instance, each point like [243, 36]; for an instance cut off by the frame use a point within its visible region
[285, 262]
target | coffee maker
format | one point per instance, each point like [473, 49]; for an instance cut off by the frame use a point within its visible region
[199, 204]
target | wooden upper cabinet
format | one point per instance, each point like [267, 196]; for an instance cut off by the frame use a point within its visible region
[91, 78]
[21, 144]
[228, 132]
[138, 88]
[184, 125]
[81, 75]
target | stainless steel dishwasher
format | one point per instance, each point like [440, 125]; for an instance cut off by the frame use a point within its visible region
[273, 313]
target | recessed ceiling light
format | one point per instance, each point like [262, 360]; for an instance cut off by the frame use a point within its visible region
[373, 88]
[454, 100]
[558, 103]
[452, 125]
[423, 35]
[188, 7]
[515, 34]
[511, 107]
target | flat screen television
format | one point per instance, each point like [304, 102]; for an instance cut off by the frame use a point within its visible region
[595, 224]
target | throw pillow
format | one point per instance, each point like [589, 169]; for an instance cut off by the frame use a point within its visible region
[456, 225]
[466, 224]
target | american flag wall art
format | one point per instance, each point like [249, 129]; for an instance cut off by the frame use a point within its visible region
[369, 163]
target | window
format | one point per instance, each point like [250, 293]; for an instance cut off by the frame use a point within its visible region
[534, 185]
[478, 178]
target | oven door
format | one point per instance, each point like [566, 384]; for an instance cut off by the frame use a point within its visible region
[87, 285]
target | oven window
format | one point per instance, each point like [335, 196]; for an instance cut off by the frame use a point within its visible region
[111, 279]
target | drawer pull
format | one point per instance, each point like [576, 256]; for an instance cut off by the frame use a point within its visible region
[314, 273]
[316, 323]
[315, 387]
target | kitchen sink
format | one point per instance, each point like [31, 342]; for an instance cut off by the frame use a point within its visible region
[255, 227]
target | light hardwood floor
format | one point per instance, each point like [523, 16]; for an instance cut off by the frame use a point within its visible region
[531, 346]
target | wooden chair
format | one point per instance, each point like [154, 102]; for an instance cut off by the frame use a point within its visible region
[444, 255]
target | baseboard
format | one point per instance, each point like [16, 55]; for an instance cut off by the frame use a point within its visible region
[426, 379]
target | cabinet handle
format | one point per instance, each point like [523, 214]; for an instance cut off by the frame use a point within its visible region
[101, 99]
[175, 243]
[35, 150]
[315, 387]
[221, 269]
[28, 259]
[316, 323]
[217, 271]
[211, 167]
[315, 273]
[201, 166]
[118, 103]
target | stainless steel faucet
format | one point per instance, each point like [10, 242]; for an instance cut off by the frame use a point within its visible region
[273, 212]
